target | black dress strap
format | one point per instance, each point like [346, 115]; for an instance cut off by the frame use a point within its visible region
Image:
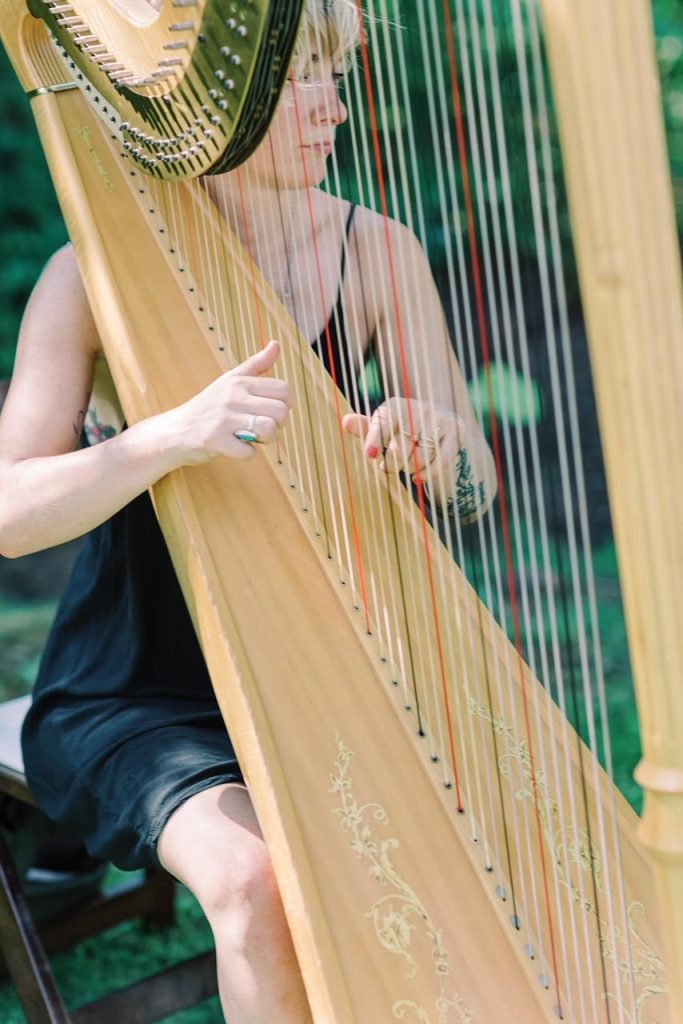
[331, 346]
[347, 229]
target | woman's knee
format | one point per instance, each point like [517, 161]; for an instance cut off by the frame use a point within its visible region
[213, 845]
[242, 884]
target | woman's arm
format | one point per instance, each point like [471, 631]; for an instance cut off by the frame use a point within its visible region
[433, 433]
[51, 490]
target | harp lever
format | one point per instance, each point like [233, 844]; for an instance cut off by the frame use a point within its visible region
[60, 87]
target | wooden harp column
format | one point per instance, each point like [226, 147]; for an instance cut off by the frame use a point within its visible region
[441, 952]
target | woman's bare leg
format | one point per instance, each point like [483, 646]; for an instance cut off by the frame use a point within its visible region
[214, 846]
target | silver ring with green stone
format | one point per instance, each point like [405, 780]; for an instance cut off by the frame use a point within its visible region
[247, 436]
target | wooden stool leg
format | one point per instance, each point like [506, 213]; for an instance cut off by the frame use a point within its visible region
[160, 910]
[23, 951]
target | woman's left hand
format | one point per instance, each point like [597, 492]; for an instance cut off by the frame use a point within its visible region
[413, 436]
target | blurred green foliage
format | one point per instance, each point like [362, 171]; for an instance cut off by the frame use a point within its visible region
[31, 227]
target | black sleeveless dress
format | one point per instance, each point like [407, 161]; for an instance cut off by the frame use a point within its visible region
[124, 725]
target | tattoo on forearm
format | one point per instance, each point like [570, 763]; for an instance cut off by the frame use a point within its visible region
[95, 430]
[469, 494]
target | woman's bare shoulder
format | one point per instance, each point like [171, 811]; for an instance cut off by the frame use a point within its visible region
[388, 250]
[384, 233]
[62, 268]
[53, 371]
[60, 293]
[368, 225]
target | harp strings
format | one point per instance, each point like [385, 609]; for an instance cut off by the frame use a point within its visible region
[427, 64]
[412, 385]
[351, 388]
[403, 181]
[484, 262]
[485, 266]
[591, 658]
[444, 122]
[517, 492]
[520, 846]
[589, 630]
[498, 315]
[578, 533]
[537, 476]
[298, 451]
[396, 606]
[371, 30]
[567, 450]
[439, 125]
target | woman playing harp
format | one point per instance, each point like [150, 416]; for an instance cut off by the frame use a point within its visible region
[125, 744]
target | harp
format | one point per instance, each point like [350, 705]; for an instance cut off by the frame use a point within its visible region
[413, 893]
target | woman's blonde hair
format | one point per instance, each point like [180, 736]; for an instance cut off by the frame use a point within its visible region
[332, 25]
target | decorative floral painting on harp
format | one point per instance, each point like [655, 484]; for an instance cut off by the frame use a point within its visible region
[455, 219]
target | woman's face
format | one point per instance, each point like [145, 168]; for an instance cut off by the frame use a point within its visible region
[302, 133]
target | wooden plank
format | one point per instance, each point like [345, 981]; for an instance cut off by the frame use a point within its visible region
[154, 998]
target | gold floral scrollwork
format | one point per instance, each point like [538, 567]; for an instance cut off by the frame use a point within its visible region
[402, 1009]
[577, 859]
[399, 913]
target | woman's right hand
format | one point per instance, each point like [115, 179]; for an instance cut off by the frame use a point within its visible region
[244, 398]
[51, 488]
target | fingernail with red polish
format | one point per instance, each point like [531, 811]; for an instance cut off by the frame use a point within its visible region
[372, 452]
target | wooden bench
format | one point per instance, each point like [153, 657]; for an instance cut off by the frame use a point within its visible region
[24, 944]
